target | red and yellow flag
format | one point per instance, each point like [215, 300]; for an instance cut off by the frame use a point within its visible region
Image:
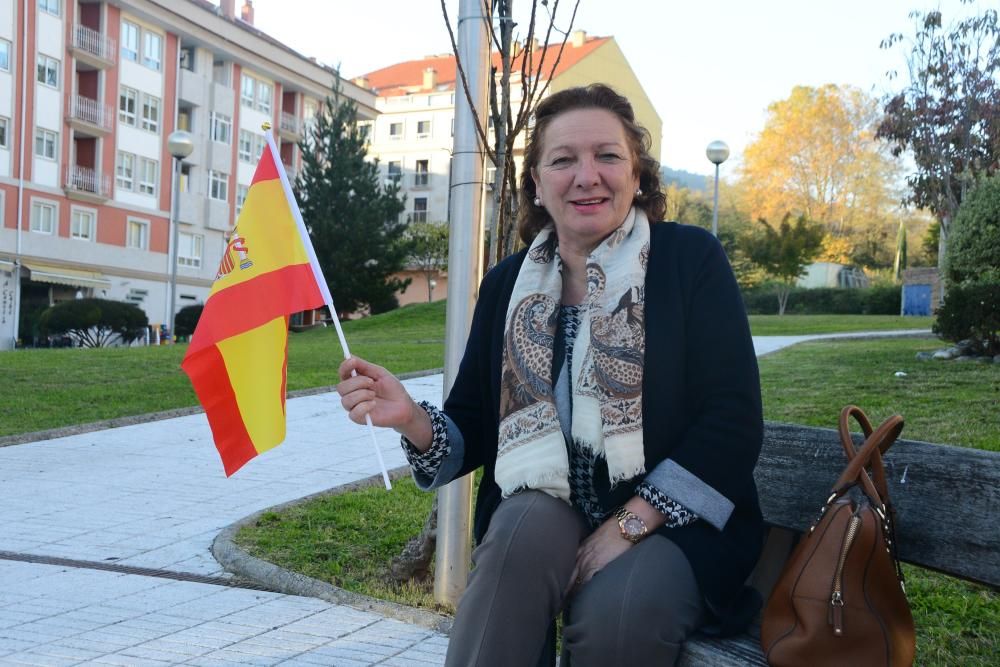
[239, 352]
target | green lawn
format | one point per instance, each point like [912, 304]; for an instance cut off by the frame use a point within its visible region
[46, 389]
[797, 325]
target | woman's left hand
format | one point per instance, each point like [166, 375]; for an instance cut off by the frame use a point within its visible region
[602, 546]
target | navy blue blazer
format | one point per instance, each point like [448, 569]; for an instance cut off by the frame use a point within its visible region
[701, 406]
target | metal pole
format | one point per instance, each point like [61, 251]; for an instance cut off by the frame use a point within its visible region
[175, 224]
[715, 207]
[454, 534]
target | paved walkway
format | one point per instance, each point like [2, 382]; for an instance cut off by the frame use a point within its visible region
[81, 514]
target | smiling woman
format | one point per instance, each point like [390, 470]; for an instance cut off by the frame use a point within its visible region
[601, 497]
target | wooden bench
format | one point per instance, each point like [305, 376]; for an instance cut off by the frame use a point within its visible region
[947, 501]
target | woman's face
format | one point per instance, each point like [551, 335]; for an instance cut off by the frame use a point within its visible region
[585, 176]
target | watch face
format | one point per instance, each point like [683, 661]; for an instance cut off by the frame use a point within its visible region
[634, 527]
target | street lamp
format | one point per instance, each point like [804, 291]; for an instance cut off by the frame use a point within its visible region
[717, 153]
[180, 144]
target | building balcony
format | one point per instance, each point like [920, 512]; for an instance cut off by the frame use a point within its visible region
[92, 48]
[90, 117]
[421, 181]
[290, 127]
[85, 184]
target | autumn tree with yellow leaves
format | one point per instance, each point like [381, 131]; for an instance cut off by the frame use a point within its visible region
[818, 157]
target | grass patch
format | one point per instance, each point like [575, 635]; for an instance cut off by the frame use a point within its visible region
[953, 403]
[349, 540]
[63, 387]
[800, 325]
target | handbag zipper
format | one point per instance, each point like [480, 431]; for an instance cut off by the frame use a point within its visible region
[836, 616]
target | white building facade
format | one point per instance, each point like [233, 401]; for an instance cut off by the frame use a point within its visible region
[89, 92]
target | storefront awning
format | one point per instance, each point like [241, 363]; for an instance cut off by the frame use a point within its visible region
[58, 275]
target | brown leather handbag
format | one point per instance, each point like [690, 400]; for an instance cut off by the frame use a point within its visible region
[840, 599]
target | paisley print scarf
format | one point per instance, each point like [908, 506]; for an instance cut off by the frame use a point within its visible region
[607, 364]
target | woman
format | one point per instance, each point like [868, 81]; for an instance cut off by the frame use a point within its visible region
[609, 390]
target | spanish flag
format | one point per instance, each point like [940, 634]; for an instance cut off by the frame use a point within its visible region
[238, 355]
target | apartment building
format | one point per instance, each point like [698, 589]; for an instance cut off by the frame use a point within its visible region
[89, 93]
[413, 134]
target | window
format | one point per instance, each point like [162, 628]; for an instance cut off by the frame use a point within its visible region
[130, 41]
[4, 55]
[395, 130]
[423, 129]
[259, 143]
[246, 91]
[138, 234]
[150, 113]
[49, 6]
[48, 71]
[128, 99]
[45, 143]
[395, 170]
[189, 249]
[218, 185]
[244, 149]
[419, 209]
[82, 224]
[265, 93]
[43, 217]
[187, 58]
[184, 118]
[221, 128]
[220, 72]
[453, 126]
[151, 47]
[241, 197]
[147, 176]
[3, 132]
[125, 171]
[421, 177]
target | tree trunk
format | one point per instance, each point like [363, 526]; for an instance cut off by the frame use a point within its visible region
[414, 562]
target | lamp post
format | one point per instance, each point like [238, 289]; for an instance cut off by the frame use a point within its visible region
[180, 144]
[717, 153]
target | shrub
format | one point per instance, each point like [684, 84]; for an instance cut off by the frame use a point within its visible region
[187, 319]
[94, 322]
[973, 252]
[972, 311]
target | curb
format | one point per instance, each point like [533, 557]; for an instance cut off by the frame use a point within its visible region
[240, 563]
[118, 422]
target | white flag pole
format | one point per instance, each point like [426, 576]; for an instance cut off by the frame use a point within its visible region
[320, 280]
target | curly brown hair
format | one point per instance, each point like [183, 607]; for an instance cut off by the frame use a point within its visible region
[532, 219]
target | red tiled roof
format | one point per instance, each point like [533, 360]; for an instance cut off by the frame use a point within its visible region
[408, 77]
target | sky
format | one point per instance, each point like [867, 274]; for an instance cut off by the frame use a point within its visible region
[710, 67]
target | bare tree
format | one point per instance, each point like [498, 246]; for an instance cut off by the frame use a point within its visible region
[525, 61]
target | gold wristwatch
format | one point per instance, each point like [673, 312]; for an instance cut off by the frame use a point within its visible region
[632, 527]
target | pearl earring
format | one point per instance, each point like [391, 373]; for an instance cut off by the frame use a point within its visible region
[638, 193]
[538, 201]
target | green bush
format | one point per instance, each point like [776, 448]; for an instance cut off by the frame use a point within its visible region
[971, 311]
[187, 319]
[973, 252]
[883, 300]
[94, 322]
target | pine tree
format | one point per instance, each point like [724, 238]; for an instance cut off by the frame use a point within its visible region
[352, 218]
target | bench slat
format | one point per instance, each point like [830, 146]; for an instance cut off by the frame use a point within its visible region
[947, 506]
[741, 651]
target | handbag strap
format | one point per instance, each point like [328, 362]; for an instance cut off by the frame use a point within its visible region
[876, 443]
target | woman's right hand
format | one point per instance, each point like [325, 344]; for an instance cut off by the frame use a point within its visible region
[376, 392]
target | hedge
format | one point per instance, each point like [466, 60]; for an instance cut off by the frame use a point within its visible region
[884, 300]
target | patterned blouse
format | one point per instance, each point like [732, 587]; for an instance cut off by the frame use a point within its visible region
[581, 462]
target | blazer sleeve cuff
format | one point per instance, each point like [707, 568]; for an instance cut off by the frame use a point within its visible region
[687, 489]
